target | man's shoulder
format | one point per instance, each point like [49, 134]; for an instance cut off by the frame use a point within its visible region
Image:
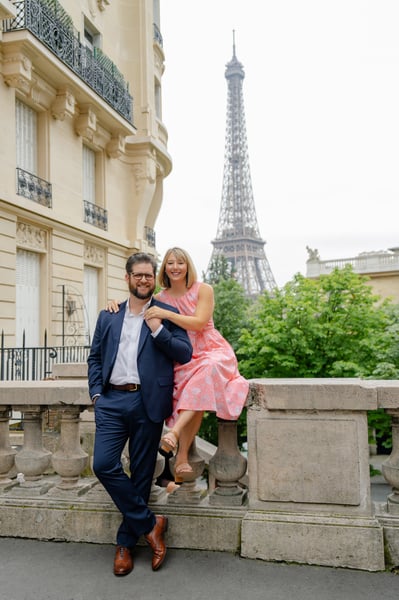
[164, 305]
[106, 314]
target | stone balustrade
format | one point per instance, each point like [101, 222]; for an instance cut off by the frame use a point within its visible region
[307, 494]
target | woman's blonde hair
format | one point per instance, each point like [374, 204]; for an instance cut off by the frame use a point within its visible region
[191, 275]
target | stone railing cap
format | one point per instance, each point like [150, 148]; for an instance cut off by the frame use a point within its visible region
[313, 394]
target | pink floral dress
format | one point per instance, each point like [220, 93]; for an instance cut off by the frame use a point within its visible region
[210, 381]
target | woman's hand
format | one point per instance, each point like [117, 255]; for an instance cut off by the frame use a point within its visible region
[112, 306]
[155, 312]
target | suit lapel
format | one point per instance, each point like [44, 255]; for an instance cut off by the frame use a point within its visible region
[144, 333]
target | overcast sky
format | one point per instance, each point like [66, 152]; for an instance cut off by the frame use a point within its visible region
[321, 97]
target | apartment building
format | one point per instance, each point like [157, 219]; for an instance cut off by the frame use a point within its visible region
[83, 156]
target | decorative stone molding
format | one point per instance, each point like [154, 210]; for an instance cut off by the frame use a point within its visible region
[102, 4]
[17, 71]
[116, 146]
[64, 105]
[86, 123]
[7, 10]
[31, 237]
[94, 255]
[144, 173]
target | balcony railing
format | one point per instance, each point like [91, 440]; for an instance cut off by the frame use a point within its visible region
[33, 187]
[150, 236]
[36, 363]
[54, 30]
[95, 215]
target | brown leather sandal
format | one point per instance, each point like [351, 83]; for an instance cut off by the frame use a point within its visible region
[183, 472]
[169, 443]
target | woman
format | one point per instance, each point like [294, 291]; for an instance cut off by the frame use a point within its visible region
[210, 381]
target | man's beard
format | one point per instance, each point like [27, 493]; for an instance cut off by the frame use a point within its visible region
[141, 295]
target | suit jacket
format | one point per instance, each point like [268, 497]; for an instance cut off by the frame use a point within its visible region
[155, 359]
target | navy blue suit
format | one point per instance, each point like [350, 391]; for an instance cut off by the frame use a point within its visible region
[136, 417]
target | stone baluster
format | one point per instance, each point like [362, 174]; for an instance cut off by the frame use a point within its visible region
[32, 460]
[227, 466]
[188, 492]
[7, 453]
[69, 460]
[157, 493]
[390, 467]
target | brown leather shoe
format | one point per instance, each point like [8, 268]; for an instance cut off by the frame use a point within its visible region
[156, 540]
[123, 561]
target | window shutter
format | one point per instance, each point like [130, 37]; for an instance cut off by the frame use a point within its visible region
[26, 134]
[90, 294]
[28, 298]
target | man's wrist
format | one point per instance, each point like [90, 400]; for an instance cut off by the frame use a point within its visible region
[94, 398]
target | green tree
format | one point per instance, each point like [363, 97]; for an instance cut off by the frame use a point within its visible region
[230, 312]
[331, 327]
[219, 269]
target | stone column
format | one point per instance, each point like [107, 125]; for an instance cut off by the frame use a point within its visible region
[188, 492]
[69, 460]
[390, 467]
[157, 493]
[7, 454]
[227, 466]
[33, 459]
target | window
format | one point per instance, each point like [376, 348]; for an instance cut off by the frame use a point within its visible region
[92, 38]
[157, 92]
[90, 295]
[26, 133]
[93, 188]
[28, 298]
[89, 175]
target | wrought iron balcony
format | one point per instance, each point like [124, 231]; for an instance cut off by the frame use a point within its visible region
[33, 187]
[50, 24]
[95, 215]
[150, 236]
[157, 35]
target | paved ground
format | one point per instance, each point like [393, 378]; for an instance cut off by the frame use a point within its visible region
[32, 570]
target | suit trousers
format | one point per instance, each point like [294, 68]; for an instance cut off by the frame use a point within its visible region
[120, 417]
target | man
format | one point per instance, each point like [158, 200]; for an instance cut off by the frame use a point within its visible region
[130, 371]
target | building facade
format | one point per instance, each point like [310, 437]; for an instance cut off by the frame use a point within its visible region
[82, 159]
[380, 267]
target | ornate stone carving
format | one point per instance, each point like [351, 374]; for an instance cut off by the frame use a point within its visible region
[17, 71]
[313, 254]
[102, 4]
[63, 106]
[116, 146]
[144, 173]
[86, 123]
[94, 255]
[31, 237]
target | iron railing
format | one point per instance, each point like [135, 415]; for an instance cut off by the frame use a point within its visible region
[33, 187]
[49, 23]
[36, 363]
[149, 236]
[95, 215]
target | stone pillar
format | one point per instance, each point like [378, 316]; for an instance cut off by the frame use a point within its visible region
[69, 460]
[33, 459]
[188, 492]
[227, 466]
[7, 454]
[390, 467]
[157, 493]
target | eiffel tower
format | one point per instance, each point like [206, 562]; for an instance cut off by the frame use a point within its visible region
[238, 238]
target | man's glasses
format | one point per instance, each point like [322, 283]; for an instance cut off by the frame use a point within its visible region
[139, 276]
